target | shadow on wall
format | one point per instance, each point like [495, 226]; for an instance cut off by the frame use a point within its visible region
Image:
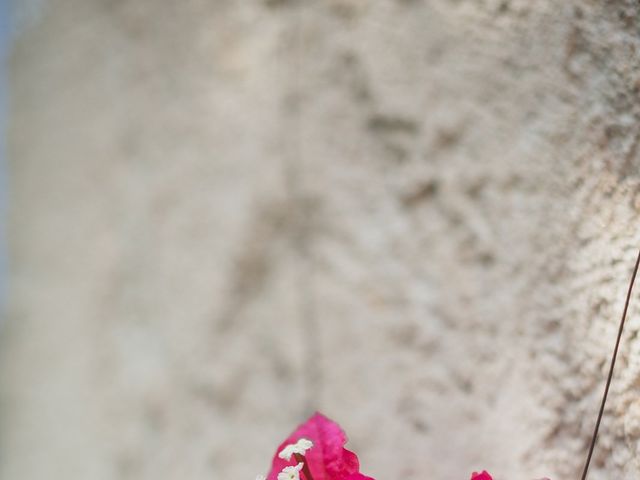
[15, 15]
[5, 35]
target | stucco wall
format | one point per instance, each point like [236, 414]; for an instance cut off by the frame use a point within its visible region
[417, 216]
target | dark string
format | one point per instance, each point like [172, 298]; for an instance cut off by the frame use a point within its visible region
[611, 367]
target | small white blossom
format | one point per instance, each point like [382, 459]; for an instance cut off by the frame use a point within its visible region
[300, 447]
[291, 473]
[261, 477]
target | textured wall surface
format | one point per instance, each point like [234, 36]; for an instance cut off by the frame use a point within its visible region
[419, 216]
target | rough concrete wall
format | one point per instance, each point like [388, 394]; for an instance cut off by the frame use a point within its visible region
[418, 216]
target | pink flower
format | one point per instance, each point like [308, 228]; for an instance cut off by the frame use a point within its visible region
[315, 451]
[327, 459]
[481, 476]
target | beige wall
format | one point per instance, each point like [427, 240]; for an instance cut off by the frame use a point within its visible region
[418, 216]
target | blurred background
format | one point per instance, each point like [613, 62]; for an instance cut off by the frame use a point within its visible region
[418, 216]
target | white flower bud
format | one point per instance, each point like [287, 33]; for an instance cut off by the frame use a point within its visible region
[291, 473]
[300, 447]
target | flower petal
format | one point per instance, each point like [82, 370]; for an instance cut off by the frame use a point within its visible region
[358, 476]
[481, 476]
[328, 459]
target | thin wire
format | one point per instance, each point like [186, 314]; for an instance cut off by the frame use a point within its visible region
[611, 367]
